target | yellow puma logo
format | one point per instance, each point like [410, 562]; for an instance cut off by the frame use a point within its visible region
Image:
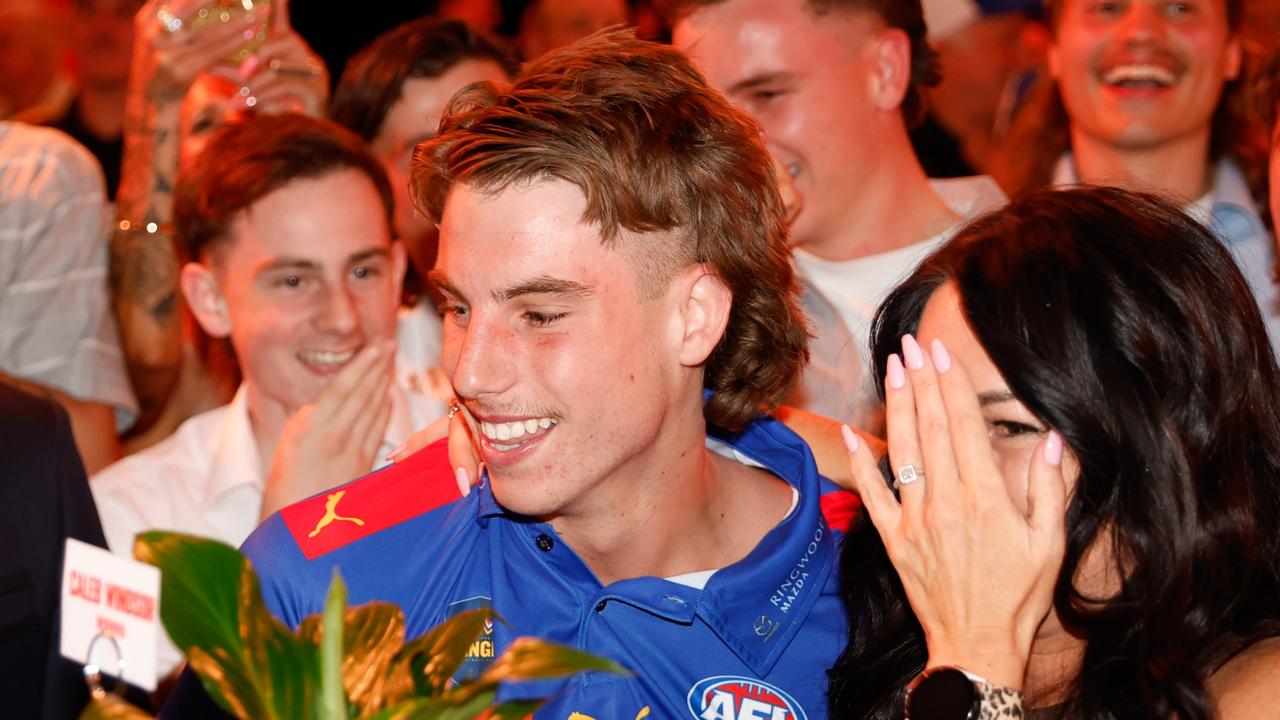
[644, 713]
[331, 513]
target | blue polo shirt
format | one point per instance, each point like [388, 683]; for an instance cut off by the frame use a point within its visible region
[755, 642]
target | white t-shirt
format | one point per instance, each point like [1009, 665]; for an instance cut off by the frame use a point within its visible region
[855, 288]
[419, 339]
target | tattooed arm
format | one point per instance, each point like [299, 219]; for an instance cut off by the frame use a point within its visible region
[144, 265]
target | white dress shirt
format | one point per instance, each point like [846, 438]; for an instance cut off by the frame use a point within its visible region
[207, 479]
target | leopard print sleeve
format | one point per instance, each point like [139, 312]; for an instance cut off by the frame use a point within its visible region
[1000, 702]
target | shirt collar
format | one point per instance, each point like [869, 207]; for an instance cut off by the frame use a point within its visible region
[1064, 172]
[234, 463]
[758, 604]
[233, 456]
[1229, 185]
[1228, 208]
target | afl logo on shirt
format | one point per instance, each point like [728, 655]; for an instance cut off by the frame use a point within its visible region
[727, 697]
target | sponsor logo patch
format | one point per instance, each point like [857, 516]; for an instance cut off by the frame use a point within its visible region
[728, 697]
[414, 486]
[481, 653]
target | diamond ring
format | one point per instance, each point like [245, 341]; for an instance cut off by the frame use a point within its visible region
[908, 474]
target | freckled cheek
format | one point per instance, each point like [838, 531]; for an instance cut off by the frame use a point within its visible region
[562, 364]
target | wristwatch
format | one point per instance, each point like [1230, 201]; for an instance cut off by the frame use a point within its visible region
[947, 692]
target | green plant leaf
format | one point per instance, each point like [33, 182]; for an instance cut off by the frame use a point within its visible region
[254, 667]
[438, 708]
[199, 579]
[333, 704]
[435, 657]
[515, 710]
[216, 671]
[533, 659]
[199, 604]
[285, 668]
[529, 658]
[211, 605]
[372, 636]
[113, 707]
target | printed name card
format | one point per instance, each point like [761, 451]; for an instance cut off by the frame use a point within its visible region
[107, 595]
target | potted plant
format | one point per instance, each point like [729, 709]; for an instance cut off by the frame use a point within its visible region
[347, 662]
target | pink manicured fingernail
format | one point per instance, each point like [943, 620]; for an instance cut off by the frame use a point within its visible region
[394, 455]
[941, 358]
[464, 480]
[1053, 448]
[911, 353]
[850, 438]
[895, 375]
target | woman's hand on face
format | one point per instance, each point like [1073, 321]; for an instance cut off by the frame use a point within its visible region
[463, 455]
[978, 571]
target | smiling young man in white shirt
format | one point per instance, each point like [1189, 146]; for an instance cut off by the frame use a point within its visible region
[287, 221]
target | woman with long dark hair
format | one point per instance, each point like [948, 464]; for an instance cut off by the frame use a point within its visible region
[1084, 434]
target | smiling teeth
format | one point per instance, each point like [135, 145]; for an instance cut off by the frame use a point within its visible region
[516, 429]
[323, 357]
[1139, 73]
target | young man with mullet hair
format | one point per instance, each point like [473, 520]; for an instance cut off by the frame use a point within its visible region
[836, 84]
[620, 310]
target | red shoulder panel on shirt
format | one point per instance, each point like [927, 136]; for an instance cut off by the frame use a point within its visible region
[840, 508]
[411, 487]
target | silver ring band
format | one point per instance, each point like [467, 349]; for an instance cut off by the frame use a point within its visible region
[303, 70]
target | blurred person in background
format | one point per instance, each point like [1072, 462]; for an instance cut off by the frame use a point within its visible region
[989, 53]
[34, 85]
[483, 15]
[393, 94]
[57, 335]
[1267, 106]
[44, 500]
[549, 24]
[101, 33]
[1143, 96]
[836, 85]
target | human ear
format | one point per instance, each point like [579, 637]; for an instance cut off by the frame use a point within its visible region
[1233, 59]
[891, 73]
[399, 262]
[204, 297]
[704, 315]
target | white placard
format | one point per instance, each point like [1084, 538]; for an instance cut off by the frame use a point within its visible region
[104, 594]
